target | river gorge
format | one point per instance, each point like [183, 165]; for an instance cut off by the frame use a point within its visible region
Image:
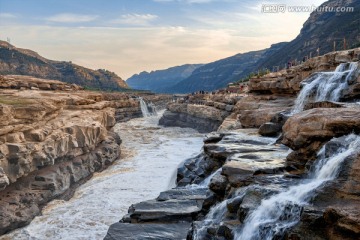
[280, 161]
[150, 157]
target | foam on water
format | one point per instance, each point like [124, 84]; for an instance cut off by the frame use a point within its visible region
[155, 153]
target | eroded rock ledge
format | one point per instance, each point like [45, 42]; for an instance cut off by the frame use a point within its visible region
[204, 113]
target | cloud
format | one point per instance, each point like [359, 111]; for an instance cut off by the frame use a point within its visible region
[124, 50]
[135, 19]
[71, 18]
[7, 15]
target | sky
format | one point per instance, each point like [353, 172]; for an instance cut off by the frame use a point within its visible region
[131, 36]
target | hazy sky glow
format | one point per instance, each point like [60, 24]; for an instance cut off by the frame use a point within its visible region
[130, 36]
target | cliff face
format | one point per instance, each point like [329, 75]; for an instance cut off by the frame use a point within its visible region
[320, 31]
[202, 112]
[17, 61]
[51, 141]
[162, 80]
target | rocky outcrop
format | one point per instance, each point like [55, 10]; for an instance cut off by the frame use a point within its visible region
[201, 117]
[353, 92]
[26, 82]
[167, 217]
[204, 112]
[307, 131]
[49, 142]
[255, 110]
[288, 80]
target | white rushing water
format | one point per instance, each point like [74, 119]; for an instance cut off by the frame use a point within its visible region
[151, 154]
[145, 108]
[282, 211]
[215, 216]
[326, 86]
[205, 183]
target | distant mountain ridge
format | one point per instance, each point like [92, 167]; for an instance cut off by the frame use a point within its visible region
[319, 31]
[161, 80]
[218, 74]
[20, 61]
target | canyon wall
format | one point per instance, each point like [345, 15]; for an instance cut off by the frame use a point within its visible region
[53, 136]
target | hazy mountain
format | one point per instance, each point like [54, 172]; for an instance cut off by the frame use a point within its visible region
[26, 62]
[218, 74]
[161, 80]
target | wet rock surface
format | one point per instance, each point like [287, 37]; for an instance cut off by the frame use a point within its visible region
[175, 205]
[205, 179]
[177, 231]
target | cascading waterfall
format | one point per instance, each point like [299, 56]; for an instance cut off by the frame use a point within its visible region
[326, 86]
[145, 108]
[207, 180]
[215, 216]
[205, 183]
[282, 211]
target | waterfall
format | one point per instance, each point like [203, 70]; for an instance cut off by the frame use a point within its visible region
[145, 108]
[204, 183]
[207, 180]
[326, 86]
[215, 216]
[282, 211]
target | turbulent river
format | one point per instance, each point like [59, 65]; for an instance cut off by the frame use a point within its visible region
[150, 156]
